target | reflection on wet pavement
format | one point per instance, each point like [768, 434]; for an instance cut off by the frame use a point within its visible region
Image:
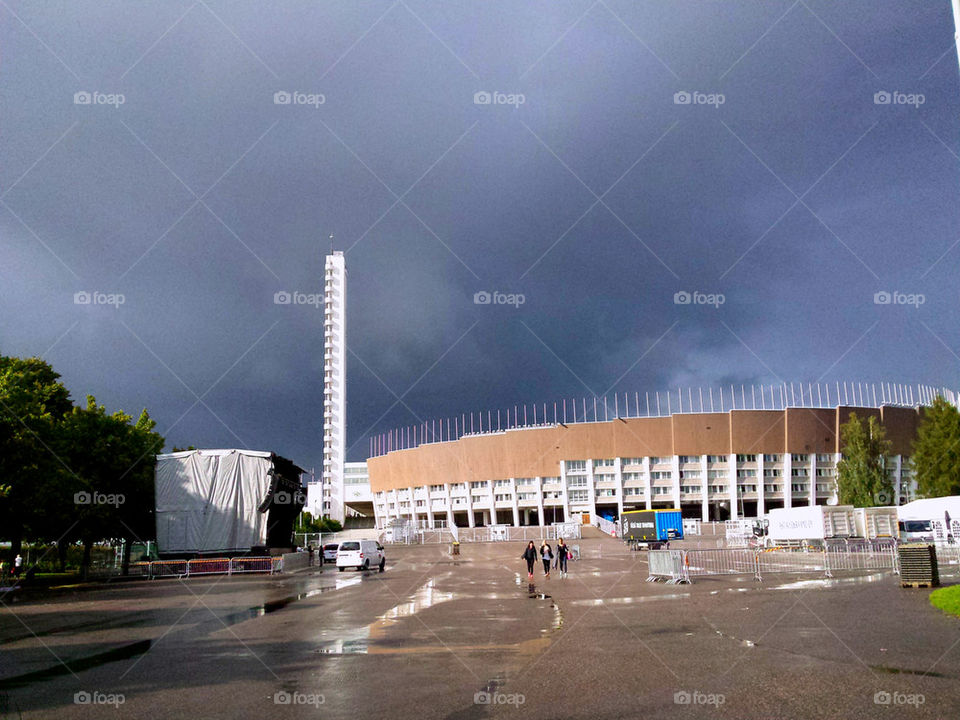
[629, 600]
[371, 639]
[831, 582]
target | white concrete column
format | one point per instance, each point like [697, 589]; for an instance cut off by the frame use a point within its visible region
[647, 484]
[675, 479]
[812, 469]
[732, 485]
[563, 484]
[704, 486]
[493, 503]
[591, 493]
[787, 480]
[761, 485]
[516, 503]
[563, 492]
[470, 522]
[450, 516]
[618, 466]
[413, 507]
[898, 464]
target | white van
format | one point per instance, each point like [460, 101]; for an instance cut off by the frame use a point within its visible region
[361, 554]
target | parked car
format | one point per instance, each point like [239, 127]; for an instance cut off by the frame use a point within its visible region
[330, 552]
[361, 554]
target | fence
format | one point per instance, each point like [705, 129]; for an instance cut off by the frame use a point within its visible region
[669, 564]
[680, 566]
[606, 526]
[219, 566]
[948, 559]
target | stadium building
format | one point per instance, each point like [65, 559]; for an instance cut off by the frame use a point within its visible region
[756, 449]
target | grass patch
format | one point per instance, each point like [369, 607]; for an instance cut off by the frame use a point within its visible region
[947, 599]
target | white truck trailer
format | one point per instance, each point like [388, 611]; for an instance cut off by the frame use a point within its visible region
[809, 523]
[876, 522]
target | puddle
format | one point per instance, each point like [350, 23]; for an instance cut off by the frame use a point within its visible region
[370, 640]
[139, 648]
[831, 582]
[629, 600]
[357, 642]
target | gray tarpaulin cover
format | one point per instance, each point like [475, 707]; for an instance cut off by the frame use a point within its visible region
[207, 500]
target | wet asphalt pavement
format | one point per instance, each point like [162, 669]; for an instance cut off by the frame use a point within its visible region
[469, 637]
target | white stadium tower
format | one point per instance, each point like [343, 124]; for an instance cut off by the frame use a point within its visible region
[342, 489]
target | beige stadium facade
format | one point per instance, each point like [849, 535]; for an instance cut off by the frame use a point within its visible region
[713, 465]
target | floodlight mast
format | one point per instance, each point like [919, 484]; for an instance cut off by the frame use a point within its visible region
[956, 25]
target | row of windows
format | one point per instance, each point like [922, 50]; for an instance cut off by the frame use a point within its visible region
[601, 464]
[582, 495]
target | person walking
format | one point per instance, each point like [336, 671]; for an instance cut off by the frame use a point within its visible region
[563, 554]
[17, 564]
[530, 555]
[546, 554]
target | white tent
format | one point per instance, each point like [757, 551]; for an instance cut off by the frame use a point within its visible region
[930, 508]
[207, 500]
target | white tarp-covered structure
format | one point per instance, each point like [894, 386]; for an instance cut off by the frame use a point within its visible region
[208, 501]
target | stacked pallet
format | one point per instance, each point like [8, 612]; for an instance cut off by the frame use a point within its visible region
[918, 566]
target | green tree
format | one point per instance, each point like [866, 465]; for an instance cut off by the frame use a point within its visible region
[111, 475]
[862, 472]
[936, 451]
[33, 402]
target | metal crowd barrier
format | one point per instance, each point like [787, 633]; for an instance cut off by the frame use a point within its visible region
[680, 566]
[208, 566]
[668, 564]
[216, 566]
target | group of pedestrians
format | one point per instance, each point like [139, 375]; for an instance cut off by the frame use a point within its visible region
[547, 555]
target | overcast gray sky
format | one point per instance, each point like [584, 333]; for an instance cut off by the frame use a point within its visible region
[786, 184]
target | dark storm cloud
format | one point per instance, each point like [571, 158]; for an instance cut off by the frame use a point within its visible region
[597, 197]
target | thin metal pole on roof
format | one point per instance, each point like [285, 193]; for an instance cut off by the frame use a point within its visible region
[753, 396]
[733, 399]
[680, 399]
[721, 398]
[711, 398]
[564, 412]
[658, 403]
[669, 410]
[616, 405]
[647, 395]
